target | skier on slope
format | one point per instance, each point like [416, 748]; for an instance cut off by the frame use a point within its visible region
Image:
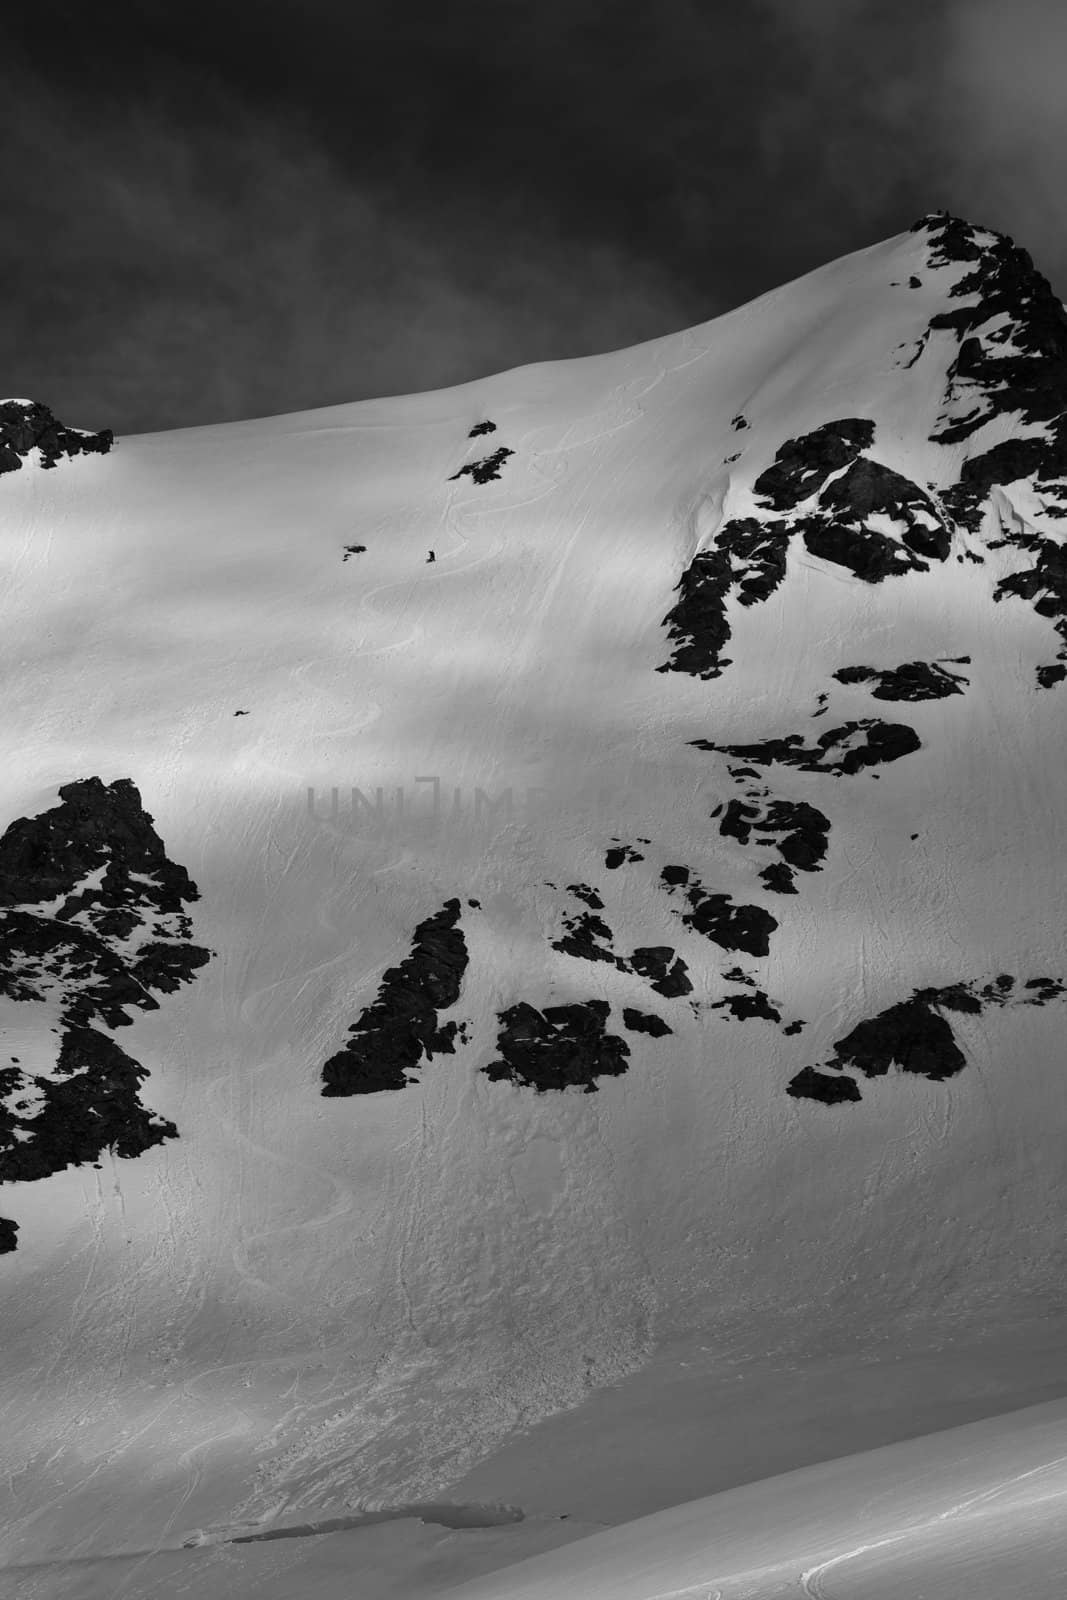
[431, 557]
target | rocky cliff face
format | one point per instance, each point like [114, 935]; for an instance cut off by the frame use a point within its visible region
[92, 919]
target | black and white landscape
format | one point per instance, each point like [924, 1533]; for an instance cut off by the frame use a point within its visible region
[562, 1041]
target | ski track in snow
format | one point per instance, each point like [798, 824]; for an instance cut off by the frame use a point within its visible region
[811, 1579]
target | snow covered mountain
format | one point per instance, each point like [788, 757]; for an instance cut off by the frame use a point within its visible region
[439, 994]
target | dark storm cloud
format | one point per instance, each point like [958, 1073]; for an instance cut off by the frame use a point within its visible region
[227, 210]
[166, 276]
[1006, 103]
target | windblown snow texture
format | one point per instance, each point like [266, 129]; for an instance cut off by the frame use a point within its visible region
[401, 1027]
[27, 425]
[93, 919]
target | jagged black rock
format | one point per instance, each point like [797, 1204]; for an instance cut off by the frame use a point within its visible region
[26, 425]
[868, 742]
[666, 972]
[914, 680]
[730, 926]
[914, 1036]
[588, 937]
[482, 471]
[94, 1107]
[748, 558]
[810, 1084]
[644, 1022]
[1011, 362]
[400, 1028]
[84, 953]
[48, 856]
[797, 830]
[745, 1006]
[618, 853]
[561, 1047]
[838, 532]
[802, 465]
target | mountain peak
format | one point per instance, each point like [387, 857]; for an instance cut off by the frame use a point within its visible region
[1012, 330]
[465, 1102]
[958, 239]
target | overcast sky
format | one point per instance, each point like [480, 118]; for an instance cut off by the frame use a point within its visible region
[217, 209]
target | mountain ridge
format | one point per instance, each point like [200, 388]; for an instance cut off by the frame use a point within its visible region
[436, 1175]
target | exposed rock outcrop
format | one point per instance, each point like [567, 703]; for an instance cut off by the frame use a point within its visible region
[802, 466]
[914, 680]
[92, 918]
[485, 469]
[730, 926]
[844, 750]
[1011, 362]
[747, 562]
[559, 1048]
[644, 1022]
[797, 831]
[27, 425]
[94, 1105]
[811, 1084]
[400, 1028]
[618, 854]
[915, 1036]
[742, 1007]
[666, 972]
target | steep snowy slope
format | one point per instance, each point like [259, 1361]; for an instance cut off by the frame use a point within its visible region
[973, 1511]
[687, 965]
